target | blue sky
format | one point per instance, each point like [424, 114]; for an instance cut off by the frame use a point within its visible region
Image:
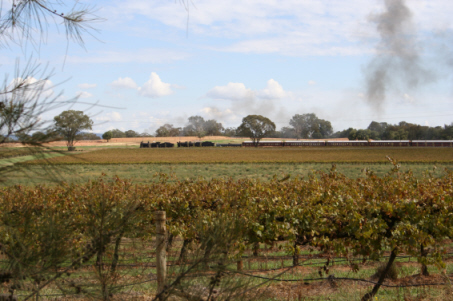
[154, 62]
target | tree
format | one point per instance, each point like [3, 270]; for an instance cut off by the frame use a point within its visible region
[378, 127]
[229, 132]
[87, 136]
[448, 132]
[196, 127]
[310, 126]
[23, 98]
[116, 133]
[168, 130]
[256, 127]
[70, 123]
[213, 128]
[107, 136]
[287, 132]
[131, 134]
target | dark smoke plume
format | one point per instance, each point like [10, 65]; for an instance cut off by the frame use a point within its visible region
[397, 63]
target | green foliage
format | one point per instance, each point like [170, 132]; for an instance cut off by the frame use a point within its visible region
[45, 227]
[131, 134]
[310, 126]
[256, 127]
[116, 133]
[401, 131]
[87, 136]
[199, 127]
[70, 123]
[167, 130]
[107, 136]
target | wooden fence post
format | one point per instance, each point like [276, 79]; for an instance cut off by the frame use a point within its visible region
[161, 249]
[240, 265]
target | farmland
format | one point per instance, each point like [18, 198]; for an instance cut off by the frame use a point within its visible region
[142, 165]
[330, 206]
[252, 155]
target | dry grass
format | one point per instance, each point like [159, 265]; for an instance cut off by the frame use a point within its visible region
[252, 155]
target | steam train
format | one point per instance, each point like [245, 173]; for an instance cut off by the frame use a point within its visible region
[318, 143]
[379, 143]
[179, 144]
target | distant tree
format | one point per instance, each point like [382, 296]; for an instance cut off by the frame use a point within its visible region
[447, 133]
[87, 136]
[363, 134]
[212, 128]
[145, 134]
[40, 136]
[256, 127]
[229, 132]
[196, 127]
[23, 138]
[307, 125]
[131, 134]
[70, 123]
[378, 127]
[116, 133]
[167, 130]
[287, 132]
[107, 136]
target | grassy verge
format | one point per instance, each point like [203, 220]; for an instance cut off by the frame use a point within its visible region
[28, 157]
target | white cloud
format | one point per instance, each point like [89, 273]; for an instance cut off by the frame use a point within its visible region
[273, 90]
[112, 116]
[87, 86]
[291, 27]
[232, 91]
[238, 91]
[217, 114]
[124, 83]
[84, 94]
[312, 82]
[154, 87]
[32, 87]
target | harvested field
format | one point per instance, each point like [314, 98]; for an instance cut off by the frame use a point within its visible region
[252, 155]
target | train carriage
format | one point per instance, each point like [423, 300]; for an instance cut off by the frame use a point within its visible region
[263, 144]
[228, 144]
[304, 143]
[432, 143]
[390, 143]
[347, 143]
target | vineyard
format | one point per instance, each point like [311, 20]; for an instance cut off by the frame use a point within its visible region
[228, 239]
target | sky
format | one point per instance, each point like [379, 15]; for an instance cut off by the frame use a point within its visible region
[152, 62]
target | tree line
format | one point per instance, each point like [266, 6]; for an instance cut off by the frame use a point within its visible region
[303, 126]
[70, 125]
[401, 131]
[309, 126]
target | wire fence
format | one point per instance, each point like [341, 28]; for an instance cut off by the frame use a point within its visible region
[315, 260]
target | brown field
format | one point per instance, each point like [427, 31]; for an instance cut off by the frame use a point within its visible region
[136, 141]
[253, 155]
